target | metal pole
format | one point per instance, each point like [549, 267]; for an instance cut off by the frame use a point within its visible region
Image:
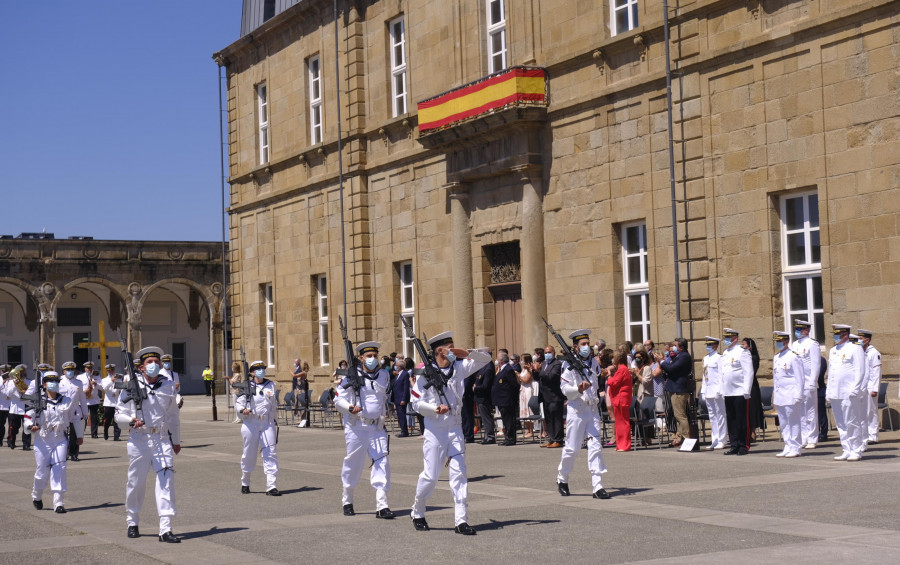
[678, 332]
[337, 83]
[223, 212]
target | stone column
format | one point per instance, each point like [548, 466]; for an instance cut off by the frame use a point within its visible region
[534, 280]
[461, 256]
[216, 345]
[48, 341]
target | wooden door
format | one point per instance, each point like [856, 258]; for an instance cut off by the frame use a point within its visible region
[508, 317]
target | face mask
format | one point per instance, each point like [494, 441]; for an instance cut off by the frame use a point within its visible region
[632, 352]
[798, 334]
[585, 351]
[152, 370]
[451, 357]
[837, 339]
[548, 357]
[639, 361]
[779, 345]
[728, 342]
[53, 386]
[167, 366]
[673, 352]
[70, 374]
[259, 373]
[371, 363]
[710, 348]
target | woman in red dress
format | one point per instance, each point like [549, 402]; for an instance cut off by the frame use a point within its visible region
[621, 392]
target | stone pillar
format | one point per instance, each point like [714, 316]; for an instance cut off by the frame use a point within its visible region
[48, 341]
[534, 280]
[461, 256]
[216, 346]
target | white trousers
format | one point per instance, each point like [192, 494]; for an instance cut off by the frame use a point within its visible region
[50, 455]
[849, 422]
[443, 441]
[581, 424]
[809, 416]
[717, 424]
[150, 451]
[789, 419]
[255, 433]
[872, 417]
[364, 439]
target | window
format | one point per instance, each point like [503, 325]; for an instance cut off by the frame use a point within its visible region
[14, 355]
[78, 317]
[636, 282]
[407, 306]
[801, 260]
[179, 357]
[262, 99]
[269, 303]
[314, 68]
[624, 15]
[496, 35]
[322, 307]
[398, 66]
[268, 10]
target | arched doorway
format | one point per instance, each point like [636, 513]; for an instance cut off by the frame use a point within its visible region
[19, 335]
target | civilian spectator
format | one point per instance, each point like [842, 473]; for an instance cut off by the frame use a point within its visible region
[620, 394]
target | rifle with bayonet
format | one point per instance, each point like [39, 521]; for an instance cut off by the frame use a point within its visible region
[567, 355]
[351, 374]
[35, 401]
[433, 377]
[133, 389]
[246, 388]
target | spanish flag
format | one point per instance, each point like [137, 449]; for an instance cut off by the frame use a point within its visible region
[513, 86]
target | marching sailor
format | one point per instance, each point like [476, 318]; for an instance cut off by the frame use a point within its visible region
[582, 417]
[149, 443]
[257, 408]
[364, 431]
[50, 444]
[72, 387]
[711, 391]
[444, 439]
[91, 386]
[167, 368]
[16, 385]
[873, 383]
[789, 379]
[110, 399]
[846, 387]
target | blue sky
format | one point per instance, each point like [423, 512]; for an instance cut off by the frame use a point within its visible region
[109, 123]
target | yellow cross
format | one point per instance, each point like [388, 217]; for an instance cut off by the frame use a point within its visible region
[102, 344]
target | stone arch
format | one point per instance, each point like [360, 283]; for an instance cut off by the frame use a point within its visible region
[210, 299]
[30, 290]
[106, 283]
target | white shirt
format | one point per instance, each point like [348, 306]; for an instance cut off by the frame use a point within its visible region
[811, 357]
[85, 379]
[712, 381]
[736, 371]
[846, 371]
[110, 393]
[4, 395]
[55, 419]
[873, 368]
[263, 405]
[425, 401]
[74, 389]
[372, 396]
[788, 375]
[570, 379]
[159, 409]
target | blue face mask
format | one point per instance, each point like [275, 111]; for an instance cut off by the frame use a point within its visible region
[710, 348]
[548, 357]
[728, 342]
[53, 386]
[632, 352]
[798, 334]
[260, 373]
[585, 351]
[837, 338]
[779, 345]
[371, 363]
[70, 374]
[450, 356]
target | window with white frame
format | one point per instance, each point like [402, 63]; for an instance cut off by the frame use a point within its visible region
[496, 35]
[262, 100]
[398, 65]
[636, 282]
[322, 309]
[314, 69]
[624, 15]
[407, 306]
[801, 261]
[269, 304]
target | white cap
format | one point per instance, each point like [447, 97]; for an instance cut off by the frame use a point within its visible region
[440, 339]
[367, 347]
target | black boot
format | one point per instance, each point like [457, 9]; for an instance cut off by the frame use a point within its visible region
[563, 488]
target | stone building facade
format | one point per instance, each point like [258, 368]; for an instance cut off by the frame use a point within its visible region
[54, 293]
[786, 127]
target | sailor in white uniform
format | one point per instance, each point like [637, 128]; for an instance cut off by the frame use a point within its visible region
[808, 350]
[444, 439]
[110, 399]
[582, 417]
[149, 442]
[50, 444]
[873, 383]
[711, 391]
[788, 375]
[258, 408]
[846, 387]
[362, 398]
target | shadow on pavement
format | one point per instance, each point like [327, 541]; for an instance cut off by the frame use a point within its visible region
[96, 507]
[301, 489]
[628, 491]
[195, 446]
[484, 478]
[499, 525]
[211, 532]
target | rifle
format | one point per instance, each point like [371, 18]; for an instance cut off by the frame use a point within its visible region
[353, 377]
[132, 387]
[36, 401]
[247, 388]
[567, 355]
[433, 377]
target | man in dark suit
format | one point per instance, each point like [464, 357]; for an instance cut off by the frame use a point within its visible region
[484, 381]
[554, 400]
[400, 394]
[505, 395]
[468, 404]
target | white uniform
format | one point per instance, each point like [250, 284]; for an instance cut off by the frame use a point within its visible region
[259, 428]
[16, 404]
[736, 371]
[444, 439]
[73, 388]
[582, 421]
[846, 387]
[873, 380]
[365, 433]
[110, 393]
[788, 375]
[86, 379]
[711, 391]
[808, 350]
[51, 446]
[150, 446]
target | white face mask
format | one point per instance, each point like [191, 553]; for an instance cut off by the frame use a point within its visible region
[152, 369]
[371, 363]
[585, 351]
[450, 356]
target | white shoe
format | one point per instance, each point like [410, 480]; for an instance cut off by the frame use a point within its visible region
[810, 446]
[710, 447]
[854, 457]
[864, 448]
[792, 454]
[842, 457]
[782, 454]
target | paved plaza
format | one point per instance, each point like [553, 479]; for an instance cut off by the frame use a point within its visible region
[667, 507]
